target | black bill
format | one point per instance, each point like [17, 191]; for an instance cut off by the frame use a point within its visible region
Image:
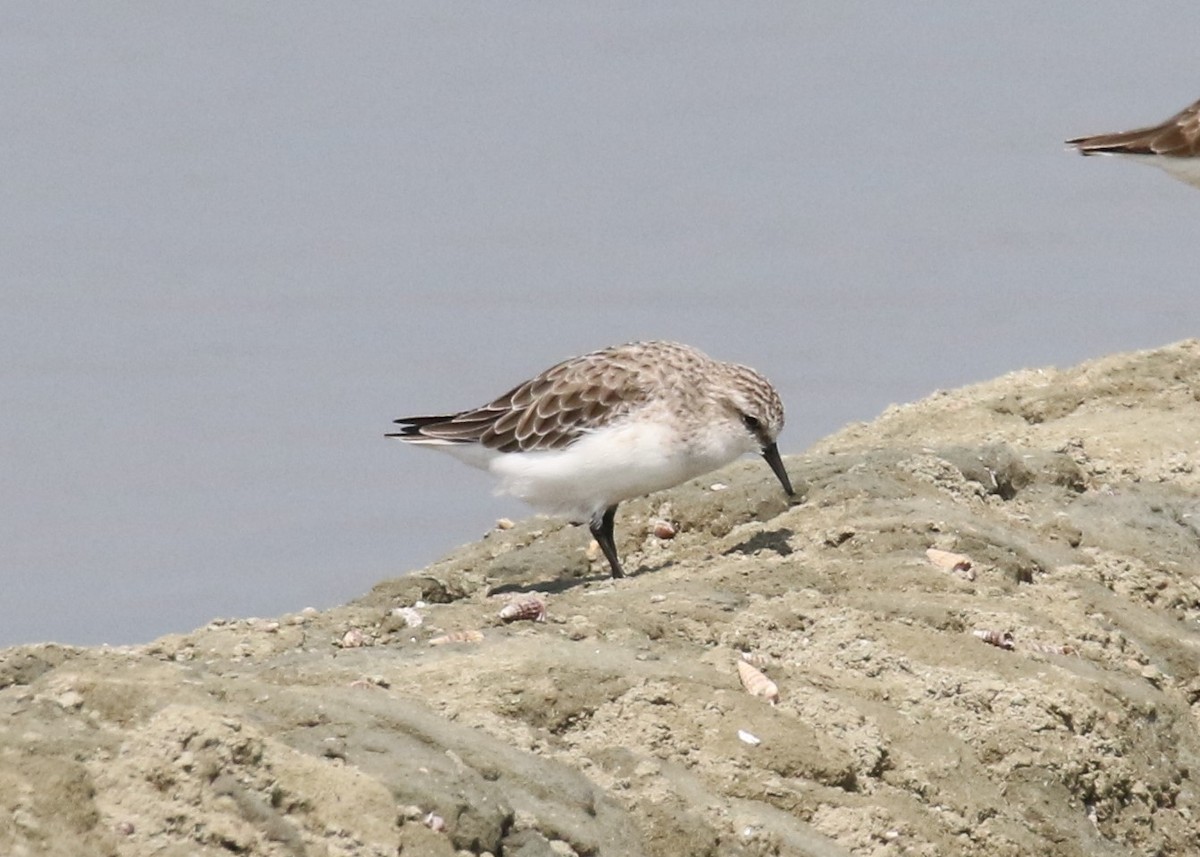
[771, 454]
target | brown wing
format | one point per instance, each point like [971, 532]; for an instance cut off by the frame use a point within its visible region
[546, 412]
[1178, 137]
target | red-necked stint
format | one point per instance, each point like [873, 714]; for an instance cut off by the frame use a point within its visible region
[1173, 145]
[596, 430]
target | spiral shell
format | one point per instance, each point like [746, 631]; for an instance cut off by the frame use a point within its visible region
[1000, 639]
[664, 530]
[959, 563]
[756, 683]
[457, 637]
[529, 607]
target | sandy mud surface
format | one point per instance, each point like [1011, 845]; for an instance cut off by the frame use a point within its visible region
[1032, 689]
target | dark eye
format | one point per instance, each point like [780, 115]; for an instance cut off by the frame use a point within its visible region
[752, 423]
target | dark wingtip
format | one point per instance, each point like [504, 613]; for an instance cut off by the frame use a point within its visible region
[422, 421]
[408, 430]
[411, 426]
[1087, 146]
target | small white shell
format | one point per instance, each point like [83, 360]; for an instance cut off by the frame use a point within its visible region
[756, 683]
[435, 822]
[755, 659]
[1000, 639]
[949, 561]
[529, 607]
[752, 740]
[664, 530]
[504, 524]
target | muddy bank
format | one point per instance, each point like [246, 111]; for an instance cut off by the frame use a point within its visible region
[619, 726]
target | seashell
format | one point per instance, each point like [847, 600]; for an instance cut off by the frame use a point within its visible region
[717, 486]
[756, 683]
[412, 619]
[504, 524]
[947, 561]
[353, 639]
[457, 637]
[756, 659]
[1000, 639]
[593, 551]
[752, 740]
[529, 607]
[664, 530]
[435, 822]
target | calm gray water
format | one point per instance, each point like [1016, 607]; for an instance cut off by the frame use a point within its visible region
[239, 239]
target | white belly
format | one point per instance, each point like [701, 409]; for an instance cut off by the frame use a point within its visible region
[606, 467]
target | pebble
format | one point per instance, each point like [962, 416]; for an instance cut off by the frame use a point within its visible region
[412, 619]
[410, 812]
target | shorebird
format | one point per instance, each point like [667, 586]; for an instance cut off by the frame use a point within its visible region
[593, 431]
[1173, 145]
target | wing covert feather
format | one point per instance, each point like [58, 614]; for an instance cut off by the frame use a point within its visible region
[554, 408]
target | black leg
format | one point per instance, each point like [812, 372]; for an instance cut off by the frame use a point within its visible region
[602, 532]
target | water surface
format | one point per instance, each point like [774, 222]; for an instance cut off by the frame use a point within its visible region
[238, 243]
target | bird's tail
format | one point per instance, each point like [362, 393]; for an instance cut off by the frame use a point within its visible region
[410, 427]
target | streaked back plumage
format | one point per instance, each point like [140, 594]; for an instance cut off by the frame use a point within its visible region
[553, 409]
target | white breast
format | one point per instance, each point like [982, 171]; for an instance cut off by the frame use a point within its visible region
[608, 466]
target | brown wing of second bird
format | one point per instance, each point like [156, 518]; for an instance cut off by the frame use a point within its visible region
[1178, 137]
